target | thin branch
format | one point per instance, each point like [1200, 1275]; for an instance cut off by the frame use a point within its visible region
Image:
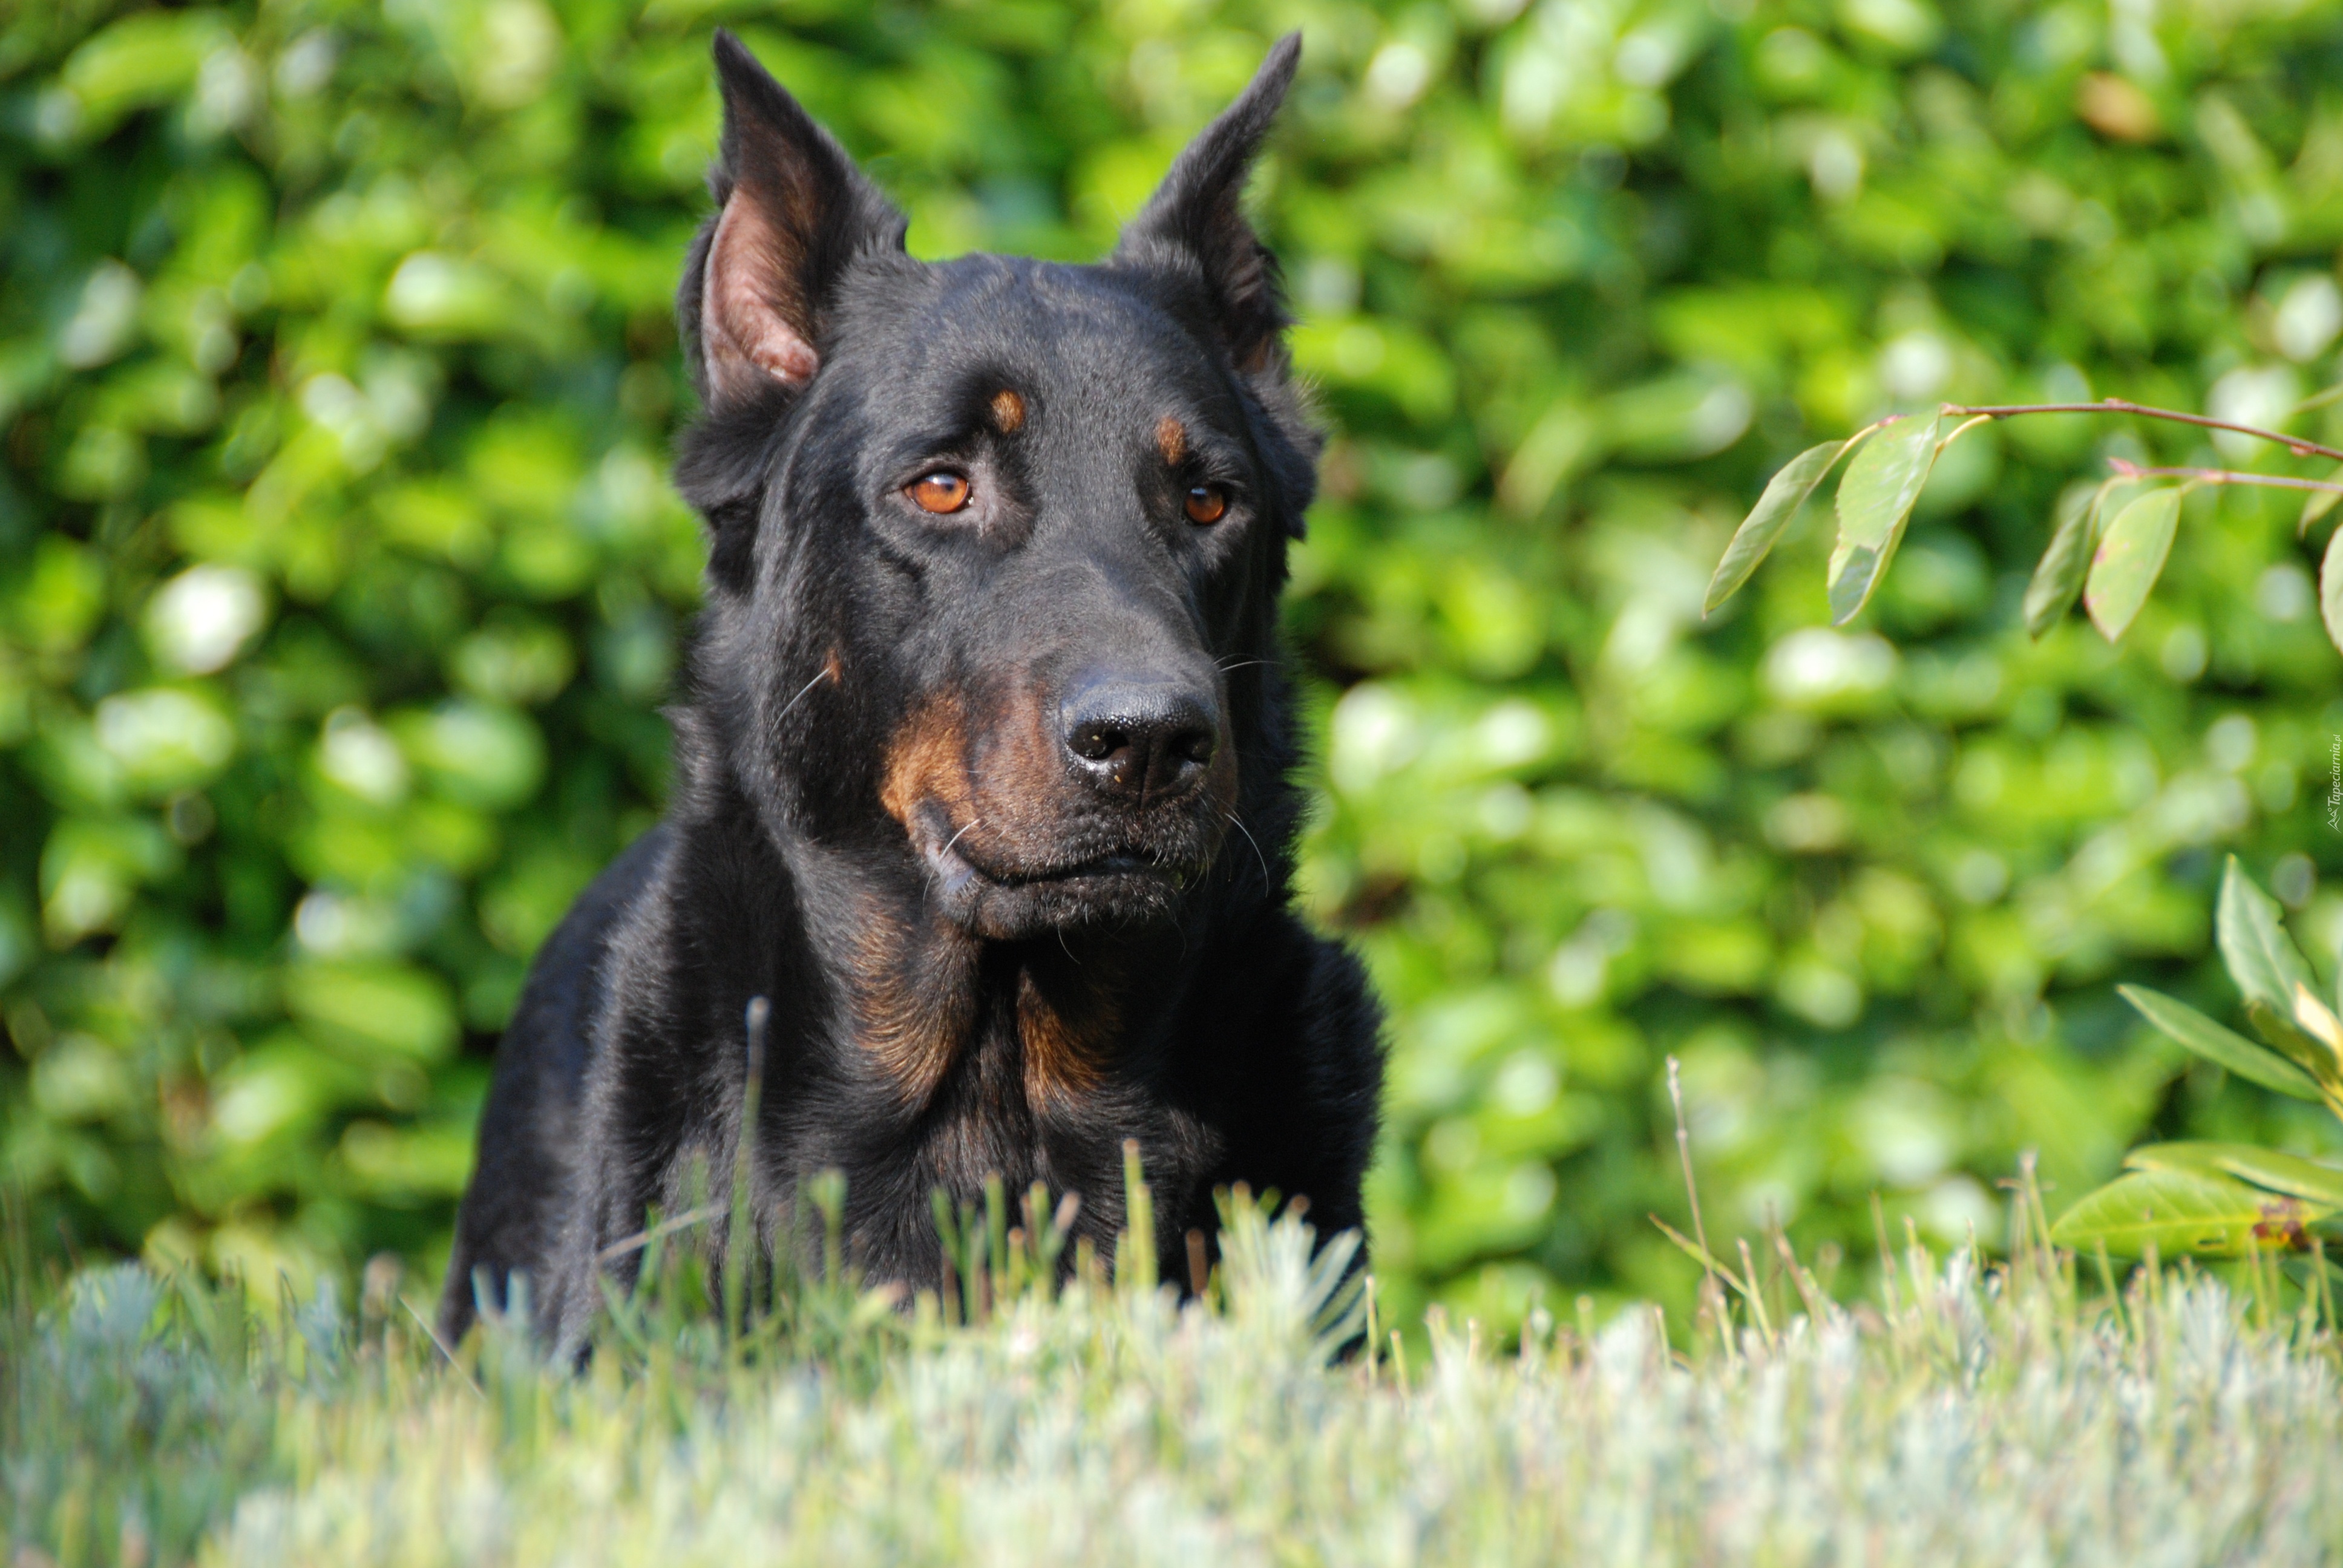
[2222, 476]
[2295, 444]
[2320, 399]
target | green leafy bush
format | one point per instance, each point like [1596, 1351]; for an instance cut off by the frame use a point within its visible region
[339, 580]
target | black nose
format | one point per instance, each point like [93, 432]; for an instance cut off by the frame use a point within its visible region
[1144, 740]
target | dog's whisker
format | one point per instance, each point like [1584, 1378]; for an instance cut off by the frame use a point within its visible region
[819, 677]
[932, 873]
[1267, 881]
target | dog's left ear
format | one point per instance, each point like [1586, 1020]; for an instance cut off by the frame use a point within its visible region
[794, 214]
[1195, 228]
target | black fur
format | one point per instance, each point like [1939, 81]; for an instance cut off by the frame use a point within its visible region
[993, 805]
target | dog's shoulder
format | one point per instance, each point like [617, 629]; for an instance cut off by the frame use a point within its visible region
[1291, 1059]
[529, 1127]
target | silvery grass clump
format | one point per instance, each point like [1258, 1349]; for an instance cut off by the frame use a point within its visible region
[1969, 1415]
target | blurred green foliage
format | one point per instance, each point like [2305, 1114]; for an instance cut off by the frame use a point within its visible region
[340, 578]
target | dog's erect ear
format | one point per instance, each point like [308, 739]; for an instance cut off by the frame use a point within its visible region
[793, 215]
[1195, 226]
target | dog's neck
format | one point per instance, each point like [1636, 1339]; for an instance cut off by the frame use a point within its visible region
[917, 994]
[912, 995]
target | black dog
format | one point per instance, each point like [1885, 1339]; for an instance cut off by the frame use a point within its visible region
[983, 779]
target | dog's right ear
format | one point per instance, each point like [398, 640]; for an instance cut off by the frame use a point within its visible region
[793, 214]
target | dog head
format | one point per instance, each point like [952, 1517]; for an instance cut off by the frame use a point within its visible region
[996, 543]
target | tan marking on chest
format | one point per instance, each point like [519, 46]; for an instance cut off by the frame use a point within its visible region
[1068, 1024]
[913, 996]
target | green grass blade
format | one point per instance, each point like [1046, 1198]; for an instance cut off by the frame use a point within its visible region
[2181, 1213]
[2185, 1025]
[2268, 1167]
[2057, 579]
[1874, 503]
[2129, 559]
[1785, 493]
[1701, 1255]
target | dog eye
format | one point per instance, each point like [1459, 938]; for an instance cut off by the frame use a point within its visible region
[1206, 503]
[940, 491]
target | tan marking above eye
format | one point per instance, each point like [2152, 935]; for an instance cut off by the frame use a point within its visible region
[1207, 504]
[940, 491]
[1171, 438]
[1008, 411]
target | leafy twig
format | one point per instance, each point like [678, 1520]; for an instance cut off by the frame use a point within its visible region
[2295, 444]
[2112, 564]
[2131, 470]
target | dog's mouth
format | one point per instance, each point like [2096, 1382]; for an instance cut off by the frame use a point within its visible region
[1011, 898]
[956, 862]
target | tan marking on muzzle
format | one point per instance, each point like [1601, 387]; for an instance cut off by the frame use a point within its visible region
[1172, 439]
[928, 761]
[998, 779]
[1007, 412]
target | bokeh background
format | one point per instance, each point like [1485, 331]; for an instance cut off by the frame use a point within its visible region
[340, 579]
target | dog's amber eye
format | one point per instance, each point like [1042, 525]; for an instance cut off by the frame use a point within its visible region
[1206, 503]
[941, 491]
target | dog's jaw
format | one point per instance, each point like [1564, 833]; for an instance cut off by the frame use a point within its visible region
[1122, 887]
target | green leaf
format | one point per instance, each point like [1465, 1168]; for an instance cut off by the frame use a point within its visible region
[2185, 1211]
[371, 1009]
[1874, 503]
[2317, 1021]
[2263, 962]
[2058, 577]
[2330, 587]
[2129, 559]
[2290, 1174]
[1785, 493]
[2185, 1024]
[2279, 1029]
[2261, 957]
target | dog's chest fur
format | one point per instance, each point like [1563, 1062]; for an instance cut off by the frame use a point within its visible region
[899, 1052]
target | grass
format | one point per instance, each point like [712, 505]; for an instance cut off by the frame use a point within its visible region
[2013, 1414]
